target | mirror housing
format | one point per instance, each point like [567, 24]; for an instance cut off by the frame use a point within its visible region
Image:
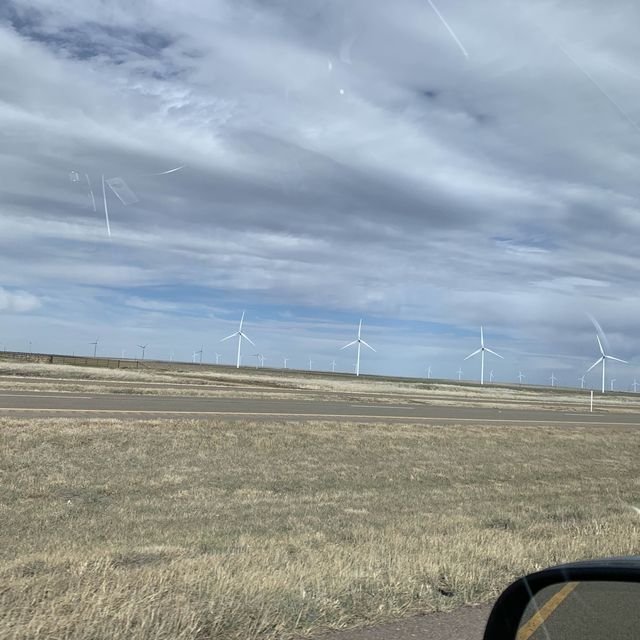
[507, 613]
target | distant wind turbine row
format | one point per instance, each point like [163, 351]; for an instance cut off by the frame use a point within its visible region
[359, 342]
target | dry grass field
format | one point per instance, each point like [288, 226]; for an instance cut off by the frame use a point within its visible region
[201, 529]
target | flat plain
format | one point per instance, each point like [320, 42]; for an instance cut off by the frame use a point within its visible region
[288, 528]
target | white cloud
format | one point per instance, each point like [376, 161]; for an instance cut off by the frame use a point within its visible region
[17, 301]
[501, 189]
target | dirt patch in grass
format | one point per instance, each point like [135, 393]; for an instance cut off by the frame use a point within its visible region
[202, 529]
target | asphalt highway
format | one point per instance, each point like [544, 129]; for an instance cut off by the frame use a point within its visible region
[61, 404]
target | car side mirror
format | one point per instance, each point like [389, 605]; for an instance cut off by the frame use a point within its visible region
[591, 600]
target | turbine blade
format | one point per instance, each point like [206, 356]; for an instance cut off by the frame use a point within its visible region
[248, 339]
[616, 359]
[233, 335]
[368, 345]
[595, 364]
[599, 344]
[494, 353]
[475, 353]
[481, 336]
[348, 345]
[241, 321]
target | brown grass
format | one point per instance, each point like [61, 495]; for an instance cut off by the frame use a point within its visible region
[203, 529]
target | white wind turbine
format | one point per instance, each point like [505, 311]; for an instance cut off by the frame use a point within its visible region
[603, 358]
[635, 386]
[285, 360]
[612, 381]
[359, 341]
[240, 336]
[481, 351]
[581, 378]
[553, 379]
[459, 374]
[520, 376]
[429, 372]
[491, 375]
[333, 366]
[259, 360]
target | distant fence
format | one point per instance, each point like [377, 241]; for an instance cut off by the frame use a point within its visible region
[81, 361]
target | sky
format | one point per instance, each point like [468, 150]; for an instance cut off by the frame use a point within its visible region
[341, 159]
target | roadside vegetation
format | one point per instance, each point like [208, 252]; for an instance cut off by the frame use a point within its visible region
[218, 382]
[205, 529]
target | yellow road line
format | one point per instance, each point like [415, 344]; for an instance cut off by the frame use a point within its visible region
[282, 414]
[540, 616]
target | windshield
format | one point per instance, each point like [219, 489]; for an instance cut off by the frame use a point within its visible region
[315, 314]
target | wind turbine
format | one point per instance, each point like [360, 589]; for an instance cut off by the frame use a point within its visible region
[603, 358]
[218, 358]
[310, 364]
[459, 374]
[143, 347]
[333, 366]
[612, 381]
[581, 378]
[359, 341]
[95, 347]
[481, 351]
[553, 380]
[429, 372]
[520, 376]
[635, 386]
[285, 360]
[491, 375]
[240, 336]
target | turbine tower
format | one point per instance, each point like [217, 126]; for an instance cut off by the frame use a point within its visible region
[520, 376]
[481, 351]
[612, 381]
[240, 336]
[333, 366]
[429, 372]
[581, 378]
[459, 374]
[143, 347]
[359, 341]
[95, 347]
[285, 360]
[553, 380]
[603, 358]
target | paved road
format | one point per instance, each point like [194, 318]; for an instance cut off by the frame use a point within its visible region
[584, 611]
[579, 401]
[59, 404]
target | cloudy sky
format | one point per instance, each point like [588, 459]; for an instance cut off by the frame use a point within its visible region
[343, 159]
